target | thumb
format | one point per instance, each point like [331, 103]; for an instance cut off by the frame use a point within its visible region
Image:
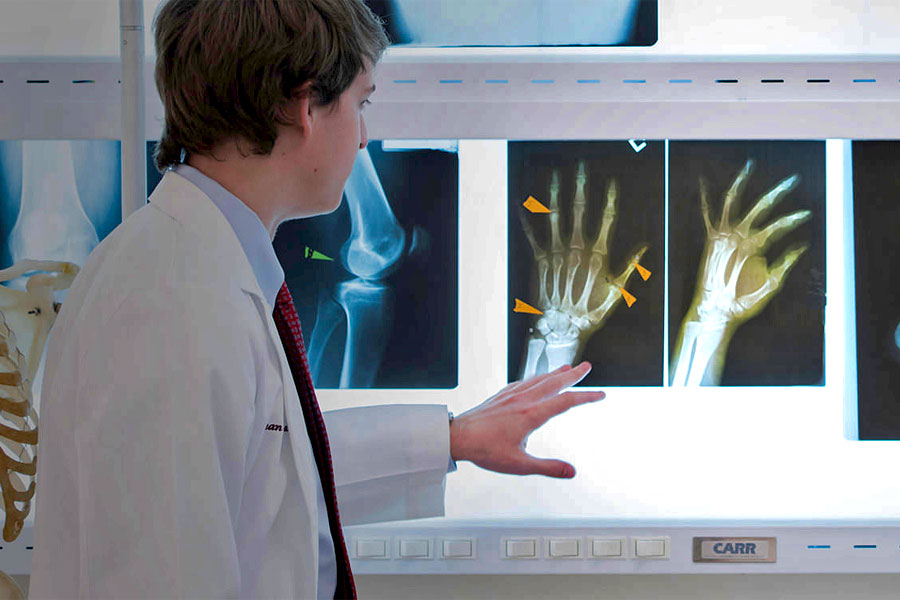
[550, 468]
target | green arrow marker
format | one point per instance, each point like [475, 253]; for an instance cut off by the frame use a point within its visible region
[313, 255]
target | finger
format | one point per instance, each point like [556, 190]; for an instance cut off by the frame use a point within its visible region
[770, 199]
[783, 265]
[533, 383]
[555, 239]
[563, 402]
[751, 304]
[529, 233]
[704, 205]
[622, 279]
[578, 207]
[518, 386]
[557, 382]
[546, 466]
[608, 220]
[737, 188]
[777, 229]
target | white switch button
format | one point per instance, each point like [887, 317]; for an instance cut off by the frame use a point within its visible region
[650, 548]
[520, 549]
[414, 548]
[563, 548]
[457, 548]
[371, 548]
[607, 548]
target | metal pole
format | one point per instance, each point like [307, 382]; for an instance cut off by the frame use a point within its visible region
[134, 150]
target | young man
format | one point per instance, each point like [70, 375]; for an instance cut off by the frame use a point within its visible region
[182, 453]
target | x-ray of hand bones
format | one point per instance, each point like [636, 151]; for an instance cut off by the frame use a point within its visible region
[25, 321]
[735, 283]
[575, 300]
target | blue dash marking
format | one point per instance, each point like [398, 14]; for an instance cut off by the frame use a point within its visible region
[864, 546]
[451, 80]
[542, 81]
[635, 81]
[820, 546]
[588, 81]
[496, 80]
[863, 81]
[404, 81]
[681, 81]
[82, 81]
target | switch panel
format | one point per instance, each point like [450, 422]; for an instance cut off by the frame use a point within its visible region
[608, 548]
[563, 548]
[519, 548]
[651, 547]
[457, 548]
[417, 548]
[372, 548]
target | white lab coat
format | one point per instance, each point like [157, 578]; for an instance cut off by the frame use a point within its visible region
[157, 475]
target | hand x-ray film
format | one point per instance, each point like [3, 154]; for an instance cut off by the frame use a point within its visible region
[747, 263]
[576, 256]
[376, 282]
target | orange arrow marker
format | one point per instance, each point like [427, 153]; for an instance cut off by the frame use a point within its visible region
[629, 299]
[534, 206]
[522, 307]
[645, 273]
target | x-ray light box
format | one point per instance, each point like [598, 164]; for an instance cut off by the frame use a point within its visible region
[724, 263]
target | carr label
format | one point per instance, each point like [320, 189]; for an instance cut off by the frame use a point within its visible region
[720, 549]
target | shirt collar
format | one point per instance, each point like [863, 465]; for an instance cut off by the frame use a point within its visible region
[248, 228]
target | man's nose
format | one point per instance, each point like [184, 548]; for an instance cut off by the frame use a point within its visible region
[363, 138]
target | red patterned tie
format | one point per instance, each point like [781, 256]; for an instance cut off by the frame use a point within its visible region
[288, 324]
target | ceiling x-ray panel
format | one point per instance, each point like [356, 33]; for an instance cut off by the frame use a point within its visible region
[455, 23]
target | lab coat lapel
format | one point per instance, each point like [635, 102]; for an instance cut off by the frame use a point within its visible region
[188, 205]
[300, 443]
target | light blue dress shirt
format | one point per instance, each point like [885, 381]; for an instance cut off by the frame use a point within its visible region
[254, 238]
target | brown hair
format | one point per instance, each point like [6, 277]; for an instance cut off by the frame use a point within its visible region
[224, 67]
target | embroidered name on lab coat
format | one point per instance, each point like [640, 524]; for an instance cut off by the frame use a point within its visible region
[274, 427]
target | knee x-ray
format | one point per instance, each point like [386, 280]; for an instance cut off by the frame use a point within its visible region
[375, 283]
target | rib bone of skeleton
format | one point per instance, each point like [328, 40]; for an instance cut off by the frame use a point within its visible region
[25, 321]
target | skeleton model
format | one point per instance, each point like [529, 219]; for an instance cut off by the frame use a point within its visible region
[25, 321]
[575, 300]
[734, 283]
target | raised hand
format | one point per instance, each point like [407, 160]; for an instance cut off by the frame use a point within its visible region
[493, 435]
[735, 282]
[577, 293]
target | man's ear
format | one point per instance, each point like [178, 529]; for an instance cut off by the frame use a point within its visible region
[297, 111]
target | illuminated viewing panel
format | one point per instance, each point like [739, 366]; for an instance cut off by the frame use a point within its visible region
[437, 300]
